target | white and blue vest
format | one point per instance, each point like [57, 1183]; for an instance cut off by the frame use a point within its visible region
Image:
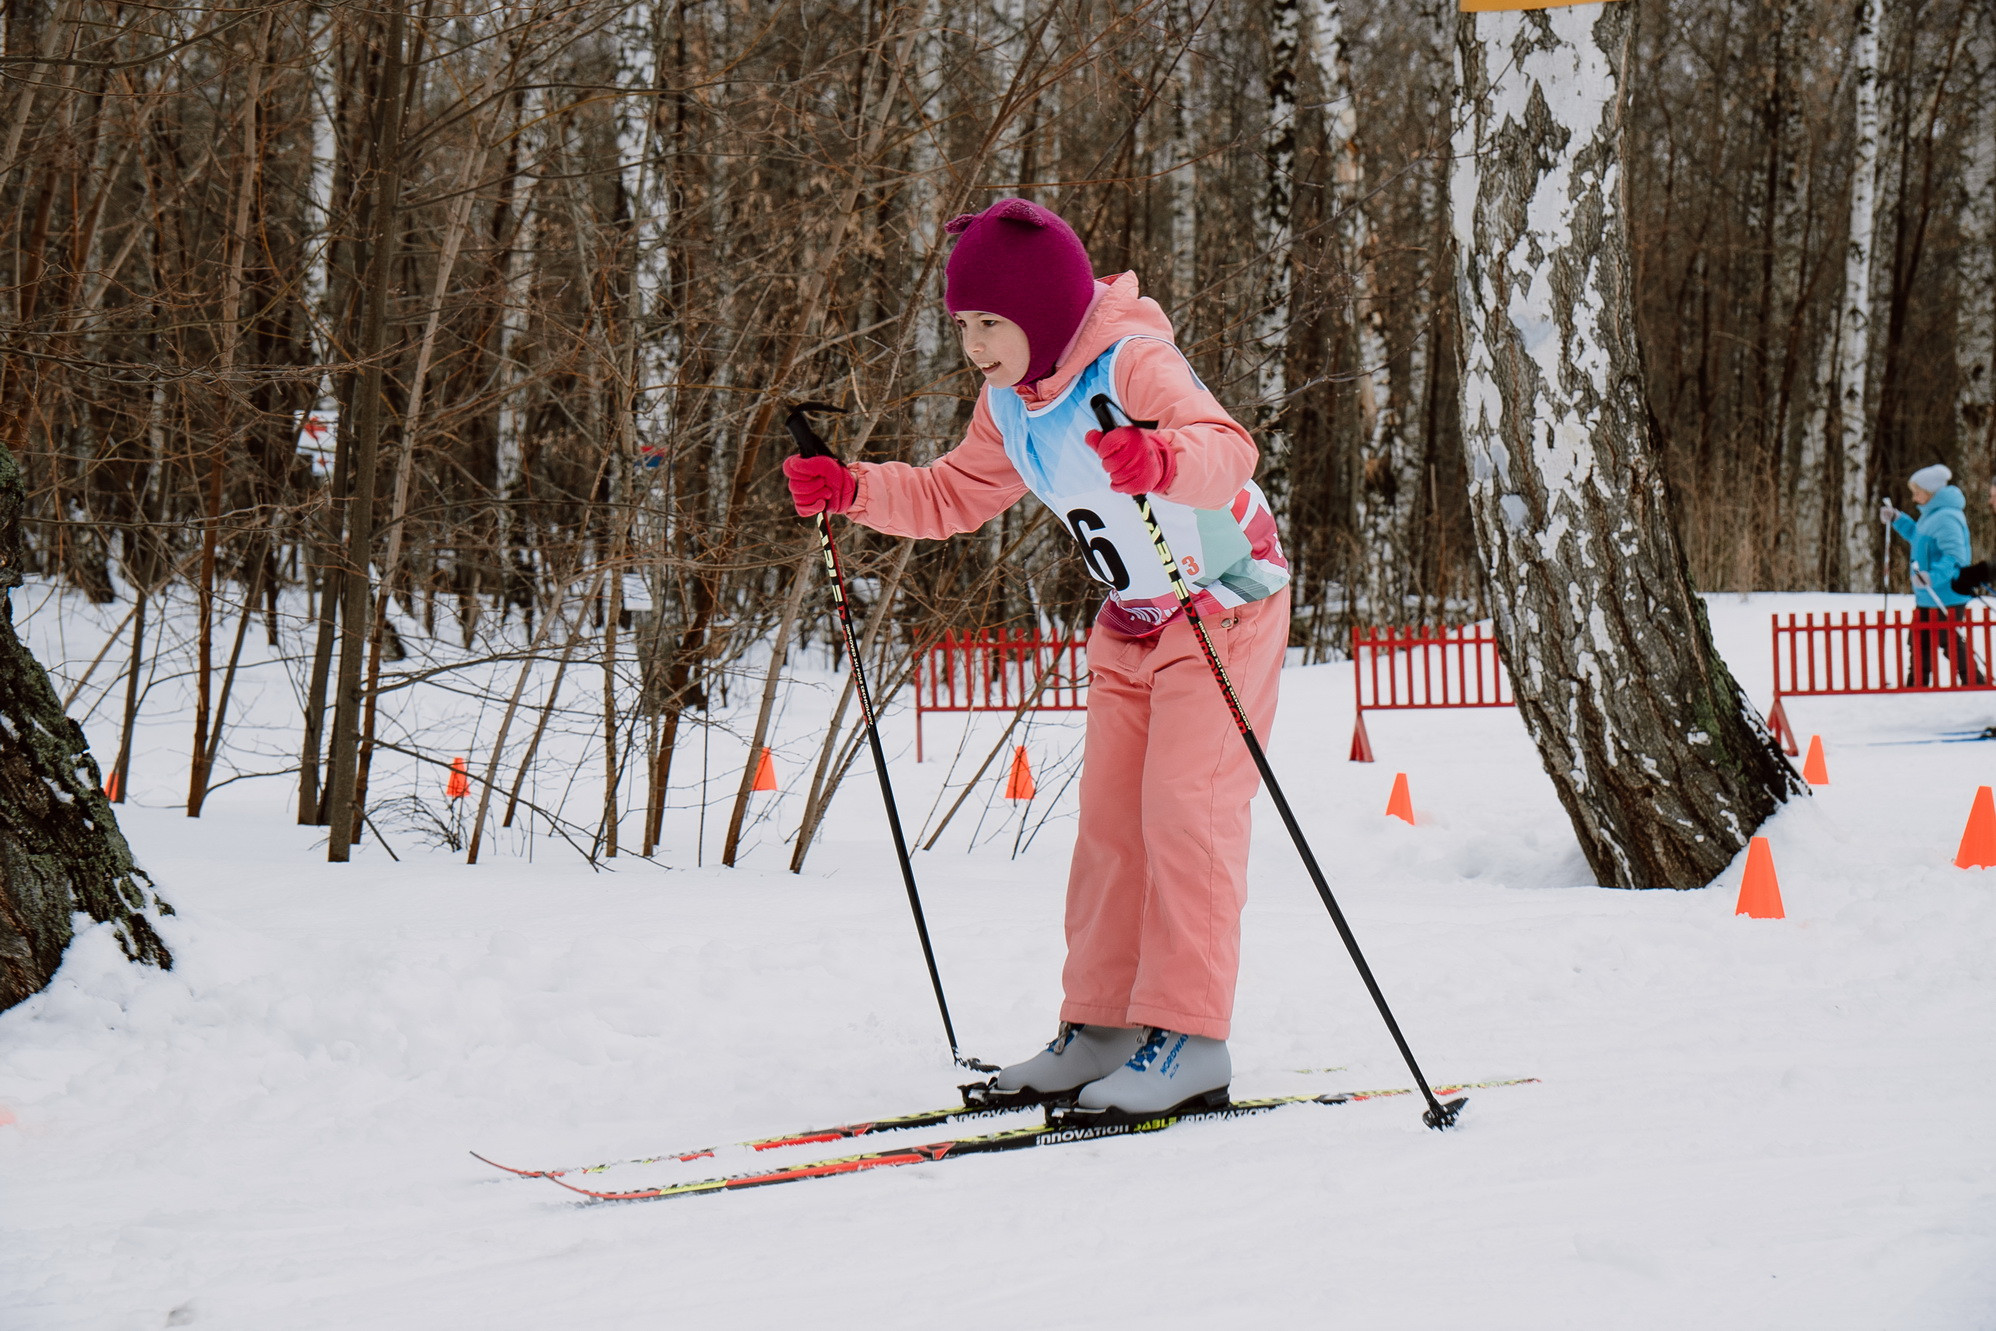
[1048, 448]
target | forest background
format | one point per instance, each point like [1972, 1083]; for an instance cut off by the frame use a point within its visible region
[478, 321]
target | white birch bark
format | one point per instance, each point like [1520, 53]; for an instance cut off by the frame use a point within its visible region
[1787, 392]
[1813, 495]
[1180, 163]
[1274, 228]
[314, 286]
[1664, 769]
[517, 274]
[1975, 271]
[934, 413]
[646, 187]
[1010, 55]
[1388, 477]
[1851, 361]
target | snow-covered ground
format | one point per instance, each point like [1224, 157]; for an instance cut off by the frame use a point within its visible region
[1740, 1124]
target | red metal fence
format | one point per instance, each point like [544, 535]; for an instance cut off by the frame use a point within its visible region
[1873, 652]
[1000, 670]
[1399, 668]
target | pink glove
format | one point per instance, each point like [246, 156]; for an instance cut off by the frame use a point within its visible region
[1139, 461]
[820, 485]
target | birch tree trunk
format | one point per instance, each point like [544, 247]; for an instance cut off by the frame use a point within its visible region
[1785, 392]
[647, 197]
[935, 413]
[1851, 362]
[1975, 271]
[318, 247]
[1389, 470]
[516, 276]
[1663, 767]
[1271, 324]
[1180, 165]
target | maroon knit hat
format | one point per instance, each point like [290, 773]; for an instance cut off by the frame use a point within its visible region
[1021, 261]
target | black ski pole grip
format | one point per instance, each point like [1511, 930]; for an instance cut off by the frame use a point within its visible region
[810, 444]
[1102, 406]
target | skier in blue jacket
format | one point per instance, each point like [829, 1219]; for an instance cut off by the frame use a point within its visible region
[1939, 541]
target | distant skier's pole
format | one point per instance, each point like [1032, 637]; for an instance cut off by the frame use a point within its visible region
[1884, 564]
[810, 445]
[1439, 1115]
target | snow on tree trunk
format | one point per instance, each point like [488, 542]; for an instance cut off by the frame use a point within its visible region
[1852, 359]
[1975, 311]
[1663, 768]
[60, 848]
[1271, 324]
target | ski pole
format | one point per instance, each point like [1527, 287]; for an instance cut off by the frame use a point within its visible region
[1884, 563]
[1438, 1115]
[810, 445]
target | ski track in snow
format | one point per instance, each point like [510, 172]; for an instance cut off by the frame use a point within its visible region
[1751, 1124]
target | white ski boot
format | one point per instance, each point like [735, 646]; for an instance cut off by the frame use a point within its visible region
[1074, 1057]
[1167, 1071]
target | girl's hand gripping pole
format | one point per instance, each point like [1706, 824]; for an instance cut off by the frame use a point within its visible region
[810, 445]
[1438, 1115]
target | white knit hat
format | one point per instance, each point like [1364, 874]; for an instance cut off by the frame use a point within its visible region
[1931, 479]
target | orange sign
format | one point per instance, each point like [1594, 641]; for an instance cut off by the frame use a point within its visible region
[1481, 6]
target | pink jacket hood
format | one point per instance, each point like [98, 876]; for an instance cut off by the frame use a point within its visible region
[1119, 311]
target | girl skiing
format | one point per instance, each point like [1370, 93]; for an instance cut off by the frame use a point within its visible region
[1159, 873]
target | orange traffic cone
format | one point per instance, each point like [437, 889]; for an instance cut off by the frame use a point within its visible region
[459, 783]
[1400, 804]
[1760, 891]
[1814, 770]
[1978, 839]
[1019, 783]
[765, 773]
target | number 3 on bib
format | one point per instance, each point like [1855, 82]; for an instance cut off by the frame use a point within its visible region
[1104, 563]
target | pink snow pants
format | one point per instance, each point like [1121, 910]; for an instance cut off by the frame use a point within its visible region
[1160, 863]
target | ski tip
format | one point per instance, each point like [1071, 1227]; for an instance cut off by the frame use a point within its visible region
[1445, 1115]
[523, 1173]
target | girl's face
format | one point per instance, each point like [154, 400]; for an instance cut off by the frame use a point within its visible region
[995, 345]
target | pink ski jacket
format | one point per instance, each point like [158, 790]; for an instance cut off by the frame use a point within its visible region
[1214, 457]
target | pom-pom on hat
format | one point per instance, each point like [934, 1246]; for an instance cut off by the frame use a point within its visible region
[1930, 479]
[1022, 261]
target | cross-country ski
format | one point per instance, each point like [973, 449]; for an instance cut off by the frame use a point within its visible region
[1059, 1128]
[584, 585]
[973, 1111]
